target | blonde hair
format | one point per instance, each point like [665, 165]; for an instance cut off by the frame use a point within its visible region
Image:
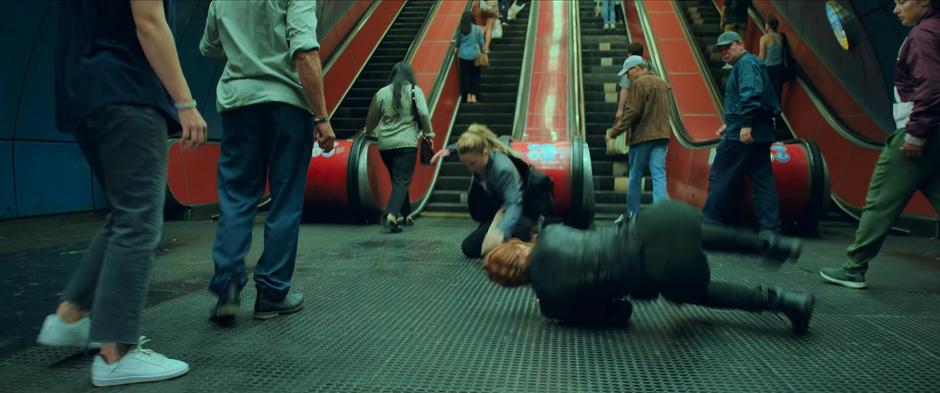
[505, 267]
[478, 137]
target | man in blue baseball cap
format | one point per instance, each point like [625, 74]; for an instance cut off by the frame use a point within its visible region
[645, 119]
[750, 106]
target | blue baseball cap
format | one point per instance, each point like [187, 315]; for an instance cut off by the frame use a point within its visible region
[727, 38]
[629, 63]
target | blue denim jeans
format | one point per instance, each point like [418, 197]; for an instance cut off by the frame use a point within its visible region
[653, 155]
[608, 12]
[263, 141]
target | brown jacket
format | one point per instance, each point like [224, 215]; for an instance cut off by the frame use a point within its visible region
[646, 111]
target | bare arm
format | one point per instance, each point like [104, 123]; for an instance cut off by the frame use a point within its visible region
[156, 40]
[311, 79]
[763, 48]
[372, 119]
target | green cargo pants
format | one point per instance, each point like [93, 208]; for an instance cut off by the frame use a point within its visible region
[893, 183]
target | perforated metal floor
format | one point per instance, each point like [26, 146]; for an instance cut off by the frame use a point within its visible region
[407, 313]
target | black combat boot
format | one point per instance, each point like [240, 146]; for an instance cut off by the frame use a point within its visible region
[797, 306]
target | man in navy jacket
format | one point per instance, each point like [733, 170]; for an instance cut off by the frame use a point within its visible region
[748, 131]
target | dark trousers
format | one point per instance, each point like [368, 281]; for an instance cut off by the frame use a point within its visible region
[777, 74]
[401, 167]
[473, 243]
[676, 267]
[125, 146]
[273, 141]
[469, 78]
[733, 161]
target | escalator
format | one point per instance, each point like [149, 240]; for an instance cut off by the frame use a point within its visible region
[351, 115]
[499, 85]
[602, 54]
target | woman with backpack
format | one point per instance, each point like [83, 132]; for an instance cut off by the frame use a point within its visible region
[398, 116]
[507, 196]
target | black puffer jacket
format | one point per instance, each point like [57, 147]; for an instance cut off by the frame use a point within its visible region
[583, 276]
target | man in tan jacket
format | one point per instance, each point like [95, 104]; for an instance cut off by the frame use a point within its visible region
[646, 118]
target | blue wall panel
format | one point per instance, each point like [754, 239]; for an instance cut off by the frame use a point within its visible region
[18, 28]
[35, 119]
[98, 193]
[51, 178]
[7, 196]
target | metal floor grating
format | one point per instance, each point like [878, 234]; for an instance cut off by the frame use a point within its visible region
[407, 313]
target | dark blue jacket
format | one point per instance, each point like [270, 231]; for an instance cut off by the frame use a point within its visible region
[750, 100]
[99, 62]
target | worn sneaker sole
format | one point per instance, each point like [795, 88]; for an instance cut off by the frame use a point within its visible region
[844, 283]
[274, 314]
[101, 382]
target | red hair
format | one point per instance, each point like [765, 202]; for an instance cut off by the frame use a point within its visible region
[508, 263]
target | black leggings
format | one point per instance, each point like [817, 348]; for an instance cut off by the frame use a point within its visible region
[469, 78]
[401, 167]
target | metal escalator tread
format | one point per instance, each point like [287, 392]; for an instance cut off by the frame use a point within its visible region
[350, 115]
[600, 105]
[499, 86]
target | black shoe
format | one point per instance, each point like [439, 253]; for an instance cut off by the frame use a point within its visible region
[269, 309]
[228, 305]
[797, 306]
[781, 248]
[409, 222]
[393, 226]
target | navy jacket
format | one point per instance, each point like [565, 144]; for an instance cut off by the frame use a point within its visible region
[750, 100]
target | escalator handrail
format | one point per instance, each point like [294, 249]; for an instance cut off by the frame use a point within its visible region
[816, 97]
[697, 55]
[520, 119]
[576, 85]
[675, 119]
[350, 36]
[421, 32]
[626, 22]
[371, 53]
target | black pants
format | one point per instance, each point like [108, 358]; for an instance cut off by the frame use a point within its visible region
[777, 75]
[469, 78]
[125, 146]
[676, 266]
[401, 167]
[473, 243]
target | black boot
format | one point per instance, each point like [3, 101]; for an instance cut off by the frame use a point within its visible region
[228, 305]
[781, 248]
[797, 306]
[265, 308]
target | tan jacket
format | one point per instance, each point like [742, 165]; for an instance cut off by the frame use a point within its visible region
[646, 111]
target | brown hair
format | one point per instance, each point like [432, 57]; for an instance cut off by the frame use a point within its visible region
[478, 137]
[505, 266]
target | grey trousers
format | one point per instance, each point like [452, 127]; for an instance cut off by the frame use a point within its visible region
[125, 146]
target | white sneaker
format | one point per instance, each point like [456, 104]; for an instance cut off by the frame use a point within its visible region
[619, 219]
[57, 333]
[138, 365]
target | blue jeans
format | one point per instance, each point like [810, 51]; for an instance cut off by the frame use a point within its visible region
[269, 140]
[652, 154]
[607, 11]
[733, 162]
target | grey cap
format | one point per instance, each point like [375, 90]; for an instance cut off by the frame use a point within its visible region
[629, 63]
[727, 38]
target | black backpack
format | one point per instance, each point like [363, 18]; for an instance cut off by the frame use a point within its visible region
[537, 194]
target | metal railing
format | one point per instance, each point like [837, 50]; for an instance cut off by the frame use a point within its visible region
[576, 85]
[519, 122]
